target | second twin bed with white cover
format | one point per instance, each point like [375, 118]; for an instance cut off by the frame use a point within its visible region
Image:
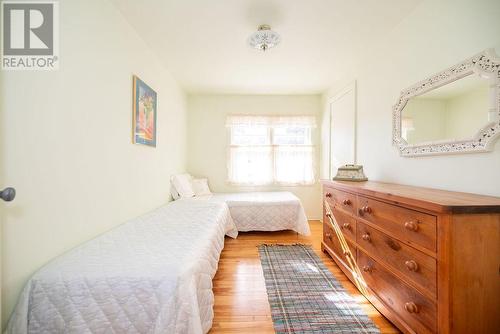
[263, 211]
[251, 211]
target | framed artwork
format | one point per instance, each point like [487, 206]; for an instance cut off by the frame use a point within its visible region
[145, 109]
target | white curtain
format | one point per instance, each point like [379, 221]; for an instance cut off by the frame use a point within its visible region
[251, 165]
[248, 120]
[294, 165]
[274, 149]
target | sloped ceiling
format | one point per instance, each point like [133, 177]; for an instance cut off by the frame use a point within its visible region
[203, 42]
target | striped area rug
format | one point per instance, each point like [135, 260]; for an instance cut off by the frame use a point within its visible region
[304, 295]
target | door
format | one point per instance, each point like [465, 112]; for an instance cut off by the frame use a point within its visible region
[342, 128]
[6, 195]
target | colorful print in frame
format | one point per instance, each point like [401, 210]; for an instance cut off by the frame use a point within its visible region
[144, 113]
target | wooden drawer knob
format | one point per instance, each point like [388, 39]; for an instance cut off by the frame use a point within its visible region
[367, 269]
[411, 226]
[366, 237]
[328, 194]
[328, 235]
[364, 209]
[346, 202]
[411, 265]
[411, 307]
[346, 225]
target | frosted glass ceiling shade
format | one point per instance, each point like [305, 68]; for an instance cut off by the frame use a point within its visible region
[264, 38]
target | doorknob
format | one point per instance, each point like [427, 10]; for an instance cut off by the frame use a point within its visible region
[8, 194]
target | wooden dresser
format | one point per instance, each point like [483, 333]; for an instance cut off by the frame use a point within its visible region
[429, 260]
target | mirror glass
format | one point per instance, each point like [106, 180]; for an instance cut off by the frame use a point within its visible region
[456, 111]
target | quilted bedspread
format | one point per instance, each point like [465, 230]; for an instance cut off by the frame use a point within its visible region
[263, 211]
[152, 274]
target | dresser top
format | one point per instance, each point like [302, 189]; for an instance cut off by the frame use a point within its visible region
[425, 198]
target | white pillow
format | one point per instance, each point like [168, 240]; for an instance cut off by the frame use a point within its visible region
[200, 187]
[182, 184]
[173, 191]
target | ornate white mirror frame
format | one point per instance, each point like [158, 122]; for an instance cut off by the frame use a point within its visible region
[487, 64]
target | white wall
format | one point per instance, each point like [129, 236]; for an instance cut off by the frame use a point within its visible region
[436, 35]
[66, 146]
[207, 141]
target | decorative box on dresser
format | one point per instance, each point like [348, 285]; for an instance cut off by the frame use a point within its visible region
[429, 260]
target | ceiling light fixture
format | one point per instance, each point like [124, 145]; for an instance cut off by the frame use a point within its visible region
[264, 38]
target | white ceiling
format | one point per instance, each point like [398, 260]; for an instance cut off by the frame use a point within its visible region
[203, 42]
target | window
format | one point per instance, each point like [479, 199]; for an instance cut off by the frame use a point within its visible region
[271, 150]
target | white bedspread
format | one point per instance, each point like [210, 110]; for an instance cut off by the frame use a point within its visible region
[263, 211]
[150, 275]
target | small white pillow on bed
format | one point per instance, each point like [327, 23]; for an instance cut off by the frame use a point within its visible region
[173, 192]
[182, 184]
[200, 187]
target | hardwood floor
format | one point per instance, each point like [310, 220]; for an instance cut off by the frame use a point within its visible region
[241, 304]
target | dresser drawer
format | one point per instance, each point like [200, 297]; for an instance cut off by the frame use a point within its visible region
[409, 262]
[341, 200]
[417, 311]
[346, 223]
[331, 240]
[413, 227]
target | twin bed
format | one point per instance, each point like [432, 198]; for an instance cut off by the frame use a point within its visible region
[263, 211]
[152, 274]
